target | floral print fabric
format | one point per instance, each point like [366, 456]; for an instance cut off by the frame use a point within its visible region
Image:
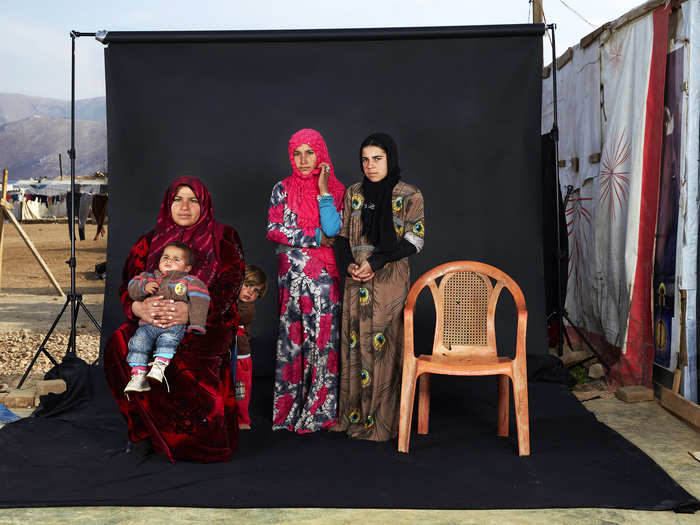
[306, 370]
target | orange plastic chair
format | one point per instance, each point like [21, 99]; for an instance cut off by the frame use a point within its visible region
[465, 344]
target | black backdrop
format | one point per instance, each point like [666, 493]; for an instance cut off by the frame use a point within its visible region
[463, 103]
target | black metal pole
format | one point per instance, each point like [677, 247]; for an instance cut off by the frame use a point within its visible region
[561, 313]
[71, 154]
[555, 137]
[73, 299]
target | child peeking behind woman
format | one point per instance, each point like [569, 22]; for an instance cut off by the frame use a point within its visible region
[254, 287]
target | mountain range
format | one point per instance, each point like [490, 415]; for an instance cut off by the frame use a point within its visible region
[14, 106]
[34, 130]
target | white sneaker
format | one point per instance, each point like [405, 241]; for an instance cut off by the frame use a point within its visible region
[157, 371]
[137, 383]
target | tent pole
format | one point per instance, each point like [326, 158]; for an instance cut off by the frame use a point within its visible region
[6, 208]
[537, 12]
[2, 221]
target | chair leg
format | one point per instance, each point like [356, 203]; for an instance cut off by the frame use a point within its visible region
[522, 414]
[408, 391]
[503, 405]
[423, 403]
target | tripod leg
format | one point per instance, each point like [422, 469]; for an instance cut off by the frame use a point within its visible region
[89, 314]
[94, 321]
[568, 339]
[71, 349]
[588, 343]
[43, 343]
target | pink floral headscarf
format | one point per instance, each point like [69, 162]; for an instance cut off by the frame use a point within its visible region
[302, 190]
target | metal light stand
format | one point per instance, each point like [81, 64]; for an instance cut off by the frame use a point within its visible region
[561, 312]
[74, 299]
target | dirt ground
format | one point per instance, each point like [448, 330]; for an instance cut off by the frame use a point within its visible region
[29, 303]
[21, 273]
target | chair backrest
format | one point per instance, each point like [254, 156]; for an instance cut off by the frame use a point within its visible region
[465, 305]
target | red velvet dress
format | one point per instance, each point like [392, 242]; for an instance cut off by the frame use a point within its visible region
[197, 419]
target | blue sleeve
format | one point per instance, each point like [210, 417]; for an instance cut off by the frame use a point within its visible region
[330, 218]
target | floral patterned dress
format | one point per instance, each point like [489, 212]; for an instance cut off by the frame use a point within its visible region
[372, 332]
[306, 371]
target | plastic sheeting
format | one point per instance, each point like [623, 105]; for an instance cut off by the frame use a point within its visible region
[603, 109]
[60, 187]
[625, 68]
[578, 97]
[689, 31]
[32, 210]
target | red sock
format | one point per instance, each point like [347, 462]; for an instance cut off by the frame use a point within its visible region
[135, 369]
[163, 359]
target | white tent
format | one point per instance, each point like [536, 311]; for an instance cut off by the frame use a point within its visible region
[629, 128]
[52, 188]
[54, 205]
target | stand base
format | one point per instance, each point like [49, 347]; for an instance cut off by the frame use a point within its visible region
[560, 348]
[76, 302]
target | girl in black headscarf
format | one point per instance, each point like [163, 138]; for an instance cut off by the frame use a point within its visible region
[382, 225]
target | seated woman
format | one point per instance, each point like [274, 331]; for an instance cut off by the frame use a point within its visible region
[382, 226]
[302, 219]
[197, 419]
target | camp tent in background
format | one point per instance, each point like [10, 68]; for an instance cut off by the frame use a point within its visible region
[43, 199]
[629, 119]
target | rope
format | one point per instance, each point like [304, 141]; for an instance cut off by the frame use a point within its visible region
[577, 13]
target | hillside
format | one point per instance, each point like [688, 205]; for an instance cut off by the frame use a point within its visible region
[14, 106]
[30, 147]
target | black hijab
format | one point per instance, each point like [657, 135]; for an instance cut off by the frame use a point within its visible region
[377, 216]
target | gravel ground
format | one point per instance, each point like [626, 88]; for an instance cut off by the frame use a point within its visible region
[19, 346]
[29, 304]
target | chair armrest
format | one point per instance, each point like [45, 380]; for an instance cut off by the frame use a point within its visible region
[521, 334]
[408, 351]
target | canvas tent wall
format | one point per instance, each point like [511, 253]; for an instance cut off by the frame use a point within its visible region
[50, 196]
[628, 98]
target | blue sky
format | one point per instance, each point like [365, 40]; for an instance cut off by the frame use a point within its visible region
[35, 43]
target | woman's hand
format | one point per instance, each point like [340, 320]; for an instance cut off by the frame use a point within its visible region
[364, 272]
[323, 177]
[352, 271]
[162, 313]
[361, 273]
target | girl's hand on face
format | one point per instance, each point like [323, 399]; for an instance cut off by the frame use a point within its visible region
[323, 177]
[327, 241]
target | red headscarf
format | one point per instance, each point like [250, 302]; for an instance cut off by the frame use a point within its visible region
[303, 189]
[203, 237]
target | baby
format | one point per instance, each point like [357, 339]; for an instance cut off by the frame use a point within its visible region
[172, 282]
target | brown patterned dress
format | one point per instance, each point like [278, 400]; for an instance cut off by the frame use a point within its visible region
[372, 330]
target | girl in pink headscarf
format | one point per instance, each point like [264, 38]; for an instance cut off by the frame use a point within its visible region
[304, 216]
